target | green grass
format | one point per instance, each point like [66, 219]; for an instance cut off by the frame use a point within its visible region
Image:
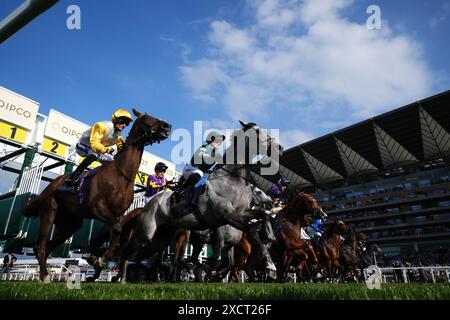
[193, 291]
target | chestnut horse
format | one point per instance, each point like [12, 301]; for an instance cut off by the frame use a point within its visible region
[288, 233]
[108, 195]
[287, 229]
[331, 247]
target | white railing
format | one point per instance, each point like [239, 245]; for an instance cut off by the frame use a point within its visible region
[420, 274]
[30, 182]
[58, 273]
[138, 202]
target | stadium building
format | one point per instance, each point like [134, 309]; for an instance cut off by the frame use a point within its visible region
[387, 176]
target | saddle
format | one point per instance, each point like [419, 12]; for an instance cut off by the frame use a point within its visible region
[80, 188]
[190, 194]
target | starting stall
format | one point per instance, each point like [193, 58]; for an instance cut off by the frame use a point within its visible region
[36, 149]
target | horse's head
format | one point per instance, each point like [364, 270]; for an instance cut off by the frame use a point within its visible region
[305, 204]
[260, 199]
[148, 130]
[251, 141]
[266, 145]
[340, 227]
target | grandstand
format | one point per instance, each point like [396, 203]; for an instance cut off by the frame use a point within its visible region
[388, 176]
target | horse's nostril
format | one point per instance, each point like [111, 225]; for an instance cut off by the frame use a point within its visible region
[165, 125]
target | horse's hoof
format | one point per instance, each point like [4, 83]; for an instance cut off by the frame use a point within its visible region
[270, 266]
[101, 263]
[272, 274]
[46, 279]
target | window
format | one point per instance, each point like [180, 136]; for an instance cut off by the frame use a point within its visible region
[424, 183]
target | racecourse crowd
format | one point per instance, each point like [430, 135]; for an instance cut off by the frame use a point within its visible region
[431, 258]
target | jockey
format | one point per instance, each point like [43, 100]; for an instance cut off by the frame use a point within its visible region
[204, 158]
[282, 188]
[101, 142]
[278, 206]
[304, 235]
[156, 182]
[275, 195]
[314, 229]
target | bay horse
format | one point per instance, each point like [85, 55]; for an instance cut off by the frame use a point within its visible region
[108, 194]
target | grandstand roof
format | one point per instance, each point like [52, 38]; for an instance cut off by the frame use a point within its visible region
[410, 135]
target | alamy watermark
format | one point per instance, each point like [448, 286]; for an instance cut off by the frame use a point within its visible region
[374, 20]
[73, 21]
[249, 147]
[73, 280]
[374, 278]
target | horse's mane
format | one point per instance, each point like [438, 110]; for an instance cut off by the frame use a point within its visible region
[293, 205]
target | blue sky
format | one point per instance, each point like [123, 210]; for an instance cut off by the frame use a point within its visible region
[304, 67]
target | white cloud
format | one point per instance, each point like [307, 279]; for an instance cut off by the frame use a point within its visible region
[291, 138]
[441, 17]
[202, 78]
[302, 54]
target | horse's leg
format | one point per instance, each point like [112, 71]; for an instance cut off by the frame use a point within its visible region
[217, 247]
[116, 230]
[64, 228]
[47, 216]
[242, 251]
[282, 257]
[129, 249]
[258, 247]
[181, 241]
[196, 249]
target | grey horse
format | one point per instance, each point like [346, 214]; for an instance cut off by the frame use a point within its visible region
[226, 200]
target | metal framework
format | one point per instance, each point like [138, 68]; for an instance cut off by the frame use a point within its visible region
[410, 135]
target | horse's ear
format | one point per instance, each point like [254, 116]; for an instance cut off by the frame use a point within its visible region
[242, 124]
[136, 113]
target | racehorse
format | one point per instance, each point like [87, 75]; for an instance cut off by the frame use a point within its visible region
[287, 229]
[357, 254]
[331, 246]
[223, 237]
[227, 236]
[107, 195]
[226, 199]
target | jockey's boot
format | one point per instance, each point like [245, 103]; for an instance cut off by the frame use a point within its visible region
[190, 205]
[72, 181]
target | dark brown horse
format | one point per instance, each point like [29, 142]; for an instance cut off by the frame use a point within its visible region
[108, 195]
[331, 247]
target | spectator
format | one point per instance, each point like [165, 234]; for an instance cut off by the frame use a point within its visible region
[8, 262]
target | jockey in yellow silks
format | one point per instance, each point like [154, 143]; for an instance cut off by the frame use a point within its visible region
[101, 142]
